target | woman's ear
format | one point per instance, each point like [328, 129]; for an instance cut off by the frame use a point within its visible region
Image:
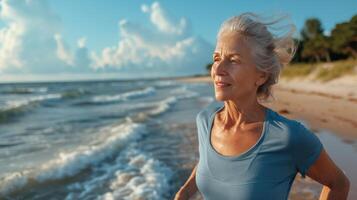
[262, 78]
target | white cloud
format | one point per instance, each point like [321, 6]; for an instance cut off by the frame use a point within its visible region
[82, 42]
[31, 42]
[10, 46]
[163, 21]
[167, 46]
[62, 51]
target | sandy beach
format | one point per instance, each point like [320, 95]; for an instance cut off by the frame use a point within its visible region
[325, 107]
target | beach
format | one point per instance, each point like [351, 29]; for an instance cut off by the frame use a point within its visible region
[329, 110]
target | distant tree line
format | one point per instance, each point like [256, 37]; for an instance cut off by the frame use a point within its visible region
[315, 46]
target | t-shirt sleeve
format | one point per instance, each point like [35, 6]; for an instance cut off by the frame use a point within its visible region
[306, 148]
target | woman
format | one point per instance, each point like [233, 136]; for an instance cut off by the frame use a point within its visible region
[248, 151]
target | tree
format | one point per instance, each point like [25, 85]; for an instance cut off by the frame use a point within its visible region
[344, 37]
[209, 67]
[317, 48]
[311, 29]
[316, 45]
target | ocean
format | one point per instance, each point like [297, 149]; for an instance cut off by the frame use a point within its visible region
[96, 140]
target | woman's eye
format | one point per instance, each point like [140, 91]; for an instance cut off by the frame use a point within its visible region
[235, 60]
[216, 59]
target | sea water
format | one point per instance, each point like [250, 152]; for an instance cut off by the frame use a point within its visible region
[93, 140]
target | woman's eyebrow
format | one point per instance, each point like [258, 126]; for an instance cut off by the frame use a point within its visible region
[228, 54]
[233, 54]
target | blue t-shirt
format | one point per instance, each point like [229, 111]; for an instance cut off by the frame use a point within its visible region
[266, 170]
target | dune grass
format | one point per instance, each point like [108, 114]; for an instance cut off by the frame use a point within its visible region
[297, 70]
[338, 69]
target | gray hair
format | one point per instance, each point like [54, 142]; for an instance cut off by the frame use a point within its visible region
[271, 52]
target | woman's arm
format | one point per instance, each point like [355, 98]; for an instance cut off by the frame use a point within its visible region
[189, 188]
[325, 171]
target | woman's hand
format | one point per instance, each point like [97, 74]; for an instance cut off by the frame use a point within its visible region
[182, 194]
[326, 172]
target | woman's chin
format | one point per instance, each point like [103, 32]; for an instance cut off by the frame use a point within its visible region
[221, 97]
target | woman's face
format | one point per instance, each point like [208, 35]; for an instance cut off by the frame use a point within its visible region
[233, 71]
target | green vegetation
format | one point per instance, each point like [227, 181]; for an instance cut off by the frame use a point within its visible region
[315, 46]
[209, 67]
[324, 71]
[339, 69]
[316, 51]
[297, 70]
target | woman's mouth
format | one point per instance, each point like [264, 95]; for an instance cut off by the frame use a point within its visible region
[221, 84]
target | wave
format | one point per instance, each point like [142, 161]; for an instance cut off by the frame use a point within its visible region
[13, 108]
[133, 175]
[104, 99]
[69, 94]
[164, 105]
[166, 83]
[19, 90]
[183, 92]
[67, 164]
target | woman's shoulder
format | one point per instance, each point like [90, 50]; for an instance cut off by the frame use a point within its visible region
[278, 120]
[291, 128]
[207, 111]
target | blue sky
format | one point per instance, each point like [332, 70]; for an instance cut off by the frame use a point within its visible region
[130, 38]
[205, 16]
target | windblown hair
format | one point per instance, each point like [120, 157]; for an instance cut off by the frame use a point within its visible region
[271, 51]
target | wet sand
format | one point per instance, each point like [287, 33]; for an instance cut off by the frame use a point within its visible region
[323, 110]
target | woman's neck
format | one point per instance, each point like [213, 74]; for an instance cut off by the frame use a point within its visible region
[238, 115]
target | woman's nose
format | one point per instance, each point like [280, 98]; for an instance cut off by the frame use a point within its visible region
[220, 68]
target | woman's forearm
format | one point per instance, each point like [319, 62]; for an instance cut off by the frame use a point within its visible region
[337, 192]
[190, 187]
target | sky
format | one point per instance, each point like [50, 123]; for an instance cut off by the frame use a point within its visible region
[87, 39]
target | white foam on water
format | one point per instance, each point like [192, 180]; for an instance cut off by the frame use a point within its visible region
[180, 93]
[149, 181]
[67, 164]
[38, 89]
[124, 96]
[24, 90]
[9, 105]
[163, 106]
[133, 175]
[165, 83]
